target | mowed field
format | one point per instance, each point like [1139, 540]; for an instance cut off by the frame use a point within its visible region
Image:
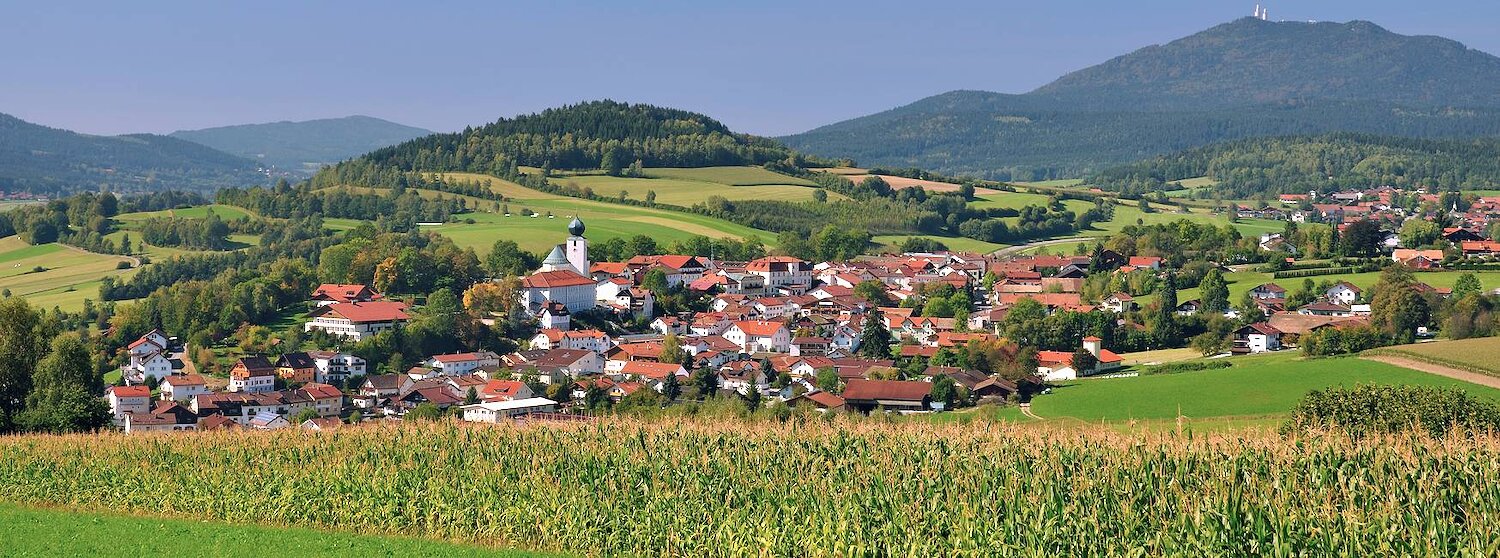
[54, 532]
[604, 220]
[1242, 281]
[70, 275]
[1126, 214]
[1256, 386]
[129, 224]
[956, 243]
[1480, 354]
[679, 188]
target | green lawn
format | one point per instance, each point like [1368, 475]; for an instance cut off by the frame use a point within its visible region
[225, 212]
[1242, 281]
[69, 275]
[1263, 385]
[688, 191]
[956, 243]
[55, 532]
[733, 176]
[604, 220]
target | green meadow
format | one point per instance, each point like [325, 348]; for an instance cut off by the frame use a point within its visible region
[1256, 386]
[68, 277]
[62, 532]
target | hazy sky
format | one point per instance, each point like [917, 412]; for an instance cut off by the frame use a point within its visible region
[762, 66]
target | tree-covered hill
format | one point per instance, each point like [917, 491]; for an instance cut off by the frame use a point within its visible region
[1250, 61]
[1242, 79]
[588, 135]
[43, 160]
[304, 146]
[1329, 162]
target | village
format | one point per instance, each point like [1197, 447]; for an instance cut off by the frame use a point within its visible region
[777, 330]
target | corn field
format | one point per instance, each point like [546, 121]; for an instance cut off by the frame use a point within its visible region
[691, 487]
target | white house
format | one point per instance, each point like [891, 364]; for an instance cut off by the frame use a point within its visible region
[124, 400]
[148, 358]
[1343, 293]
[252, 374]
[458, 364]
[585, 339]
[334, 366]
[357, 320]
[755, 336]
[496, 411]
[1055, 366]
[267, 420]
[182, 387]
[783, 272]
[1258, 337]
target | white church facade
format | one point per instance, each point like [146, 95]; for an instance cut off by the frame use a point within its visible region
[564, 276]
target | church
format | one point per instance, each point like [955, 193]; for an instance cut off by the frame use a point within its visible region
[563, 278]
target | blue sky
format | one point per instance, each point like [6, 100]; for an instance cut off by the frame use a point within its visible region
[768, 67]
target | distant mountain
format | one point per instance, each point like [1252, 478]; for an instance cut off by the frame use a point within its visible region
[1241, 79]
[304, 146]
[1249, 61]
[38, 159]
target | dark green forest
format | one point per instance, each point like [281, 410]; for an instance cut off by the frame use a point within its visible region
[1246, 78]
[50, 161]
[598, 134]
[1325, 163]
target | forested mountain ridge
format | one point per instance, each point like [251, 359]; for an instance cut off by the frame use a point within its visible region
[51, 161]
[1250, 61]
[588, 135]
[1327, 163]
[304, 146]
[1300, 79]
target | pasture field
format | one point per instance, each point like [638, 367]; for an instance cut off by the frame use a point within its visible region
[70, 275]
[1256, 386]
[604, 220]
[129, 224]
[901, 182]
[733, 176]
[682, 487]
[1242, 281]
[6, 205]
[53, 532]
[955, 243]
[225, 212]
[1481, 354]
[686, 191]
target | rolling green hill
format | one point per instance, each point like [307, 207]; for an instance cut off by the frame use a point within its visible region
[1246, 78]
[35, 158]
[304, 146]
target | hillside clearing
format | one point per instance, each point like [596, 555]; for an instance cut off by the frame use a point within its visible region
[687, 192]
[70, 275]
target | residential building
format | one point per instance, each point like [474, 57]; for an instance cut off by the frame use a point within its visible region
[253, 374]
[357, 320]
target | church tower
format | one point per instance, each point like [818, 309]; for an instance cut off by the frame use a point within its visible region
[578, 247]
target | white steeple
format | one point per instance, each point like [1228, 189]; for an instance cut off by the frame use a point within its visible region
[578, 247]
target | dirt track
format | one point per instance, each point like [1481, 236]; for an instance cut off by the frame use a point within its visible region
[1461, 375]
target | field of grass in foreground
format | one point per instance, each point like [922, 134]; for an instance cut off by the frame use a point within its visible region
[1261, 385]
[718, 486]
[70, 275]
[56, 532]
